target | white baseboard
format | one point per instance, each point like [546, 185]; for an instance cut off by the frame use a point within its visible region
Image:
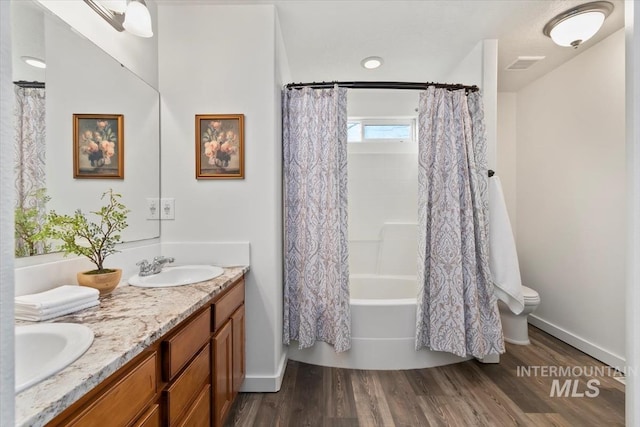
[265, 383]
[580, 343]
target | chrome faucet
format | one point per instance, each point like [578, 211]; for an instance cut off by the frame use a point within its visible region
[155, 267]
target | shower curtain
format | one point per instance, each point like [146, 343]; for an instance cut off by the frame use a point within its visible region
[30, 150]
[316, 276]
[457, 310]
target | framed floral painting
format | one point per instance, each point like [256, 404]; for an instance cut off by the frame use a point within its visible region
[98, 146]
[220, 146]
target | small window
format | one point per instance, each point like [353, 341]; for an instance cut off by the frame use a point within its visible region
[387, 132]
[381, 130]
[354, 131]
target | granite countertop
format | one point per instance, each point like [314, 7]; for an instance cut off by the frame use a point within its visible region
[127, 321]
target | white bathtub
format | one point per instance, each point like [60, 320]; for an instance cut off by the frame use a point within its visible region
[383, 322]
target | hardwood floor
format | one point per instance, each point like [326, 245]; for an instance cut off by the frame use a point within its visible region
[464, 394]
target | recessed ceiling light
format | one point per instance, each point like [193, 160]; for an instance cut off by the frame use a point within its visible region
[371, 62]
[34, 62]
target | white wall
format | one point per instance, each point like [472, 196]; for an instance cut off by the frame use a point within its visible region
[138, 54]
[382, 103]
[632, 82]
[505, 166]
[6, 225]
[571, 198]
[222, 59]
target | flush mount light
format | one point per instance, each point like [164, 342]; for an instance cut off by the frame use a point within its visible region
[577, 25]
[34, 62]
[371, 62]
[130, 15]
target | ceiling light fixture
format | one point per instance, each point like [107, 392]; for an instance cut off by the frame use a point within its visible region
[371, 62]
[34, 62]
[130, 15]
[577, 25]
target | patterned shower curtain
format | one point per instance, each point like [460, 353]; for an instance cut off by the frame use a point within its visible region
[316, 276]
[457, 310]
[30, 150]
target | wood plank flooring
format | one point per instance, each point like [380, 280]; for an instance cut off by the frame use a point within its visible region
[464, 394]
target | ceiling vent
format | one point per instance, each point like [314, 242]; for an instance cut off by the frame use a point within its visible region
[524, 63]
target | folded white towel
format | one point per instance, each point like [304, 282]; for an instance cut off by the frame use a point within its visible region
[45, 311]
[68, 310]
[57, 297]
[503, 258]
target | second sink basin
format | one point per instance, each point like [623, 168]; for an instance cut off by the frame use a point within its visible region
[177, 276]
[43, 349]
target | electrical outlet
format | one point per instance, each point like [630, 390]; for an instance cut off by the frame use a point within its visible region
[153, 208]
[167, 208]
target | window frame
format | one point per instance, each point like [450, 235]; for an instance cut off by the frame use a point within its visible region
[385, 121]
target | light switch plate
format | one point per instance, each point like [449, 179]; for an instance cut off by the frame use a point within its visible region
[167, 208]
[153, 208]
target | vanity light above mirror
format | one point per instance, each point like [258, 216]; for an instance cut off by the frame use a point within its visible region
[125, 15]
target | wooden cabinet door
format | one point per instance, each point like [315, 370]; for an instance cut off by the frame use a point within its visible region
[238, 326]
[222, 373]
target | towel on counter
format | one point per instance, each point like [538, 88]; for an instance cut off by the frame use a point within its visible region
[55, 302]
[60, 312]
[503, 258]
[57, 297]
[46, 311]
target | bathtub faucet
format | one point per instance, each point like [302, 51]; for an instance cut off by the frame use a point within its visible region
[155, 267]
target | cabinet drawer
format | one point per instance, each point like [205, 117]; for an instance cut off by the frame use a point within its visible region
[151, 418]
[181, 347]
[121, 402]
[188, 384]
[226, 305]
[200, 413]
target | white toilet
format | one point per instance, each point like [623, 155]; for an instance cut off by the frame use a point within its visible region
[514, 326]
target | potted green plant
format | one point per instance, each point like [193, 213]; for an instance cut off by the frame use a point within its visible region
[94, 240]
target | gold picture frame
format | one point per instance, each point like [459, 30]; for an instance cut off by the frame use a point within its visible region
[219, 146]
[98, 146]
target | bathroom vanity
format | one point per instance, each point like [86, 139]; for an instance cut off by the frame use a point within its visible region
[161, 357]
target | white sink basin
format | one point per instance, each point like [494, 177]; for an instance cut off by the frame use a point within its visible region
[177, 276]
[44, 349]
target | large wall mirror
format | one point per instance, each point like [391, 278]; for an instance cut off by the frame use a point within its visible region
[79, 78]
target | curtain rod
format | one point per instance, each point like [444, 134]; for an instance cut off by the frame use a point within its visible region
[382, 85]
[25, 84]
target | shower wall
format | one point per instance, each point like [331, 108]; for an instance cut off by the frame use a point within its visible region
[383, 188]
